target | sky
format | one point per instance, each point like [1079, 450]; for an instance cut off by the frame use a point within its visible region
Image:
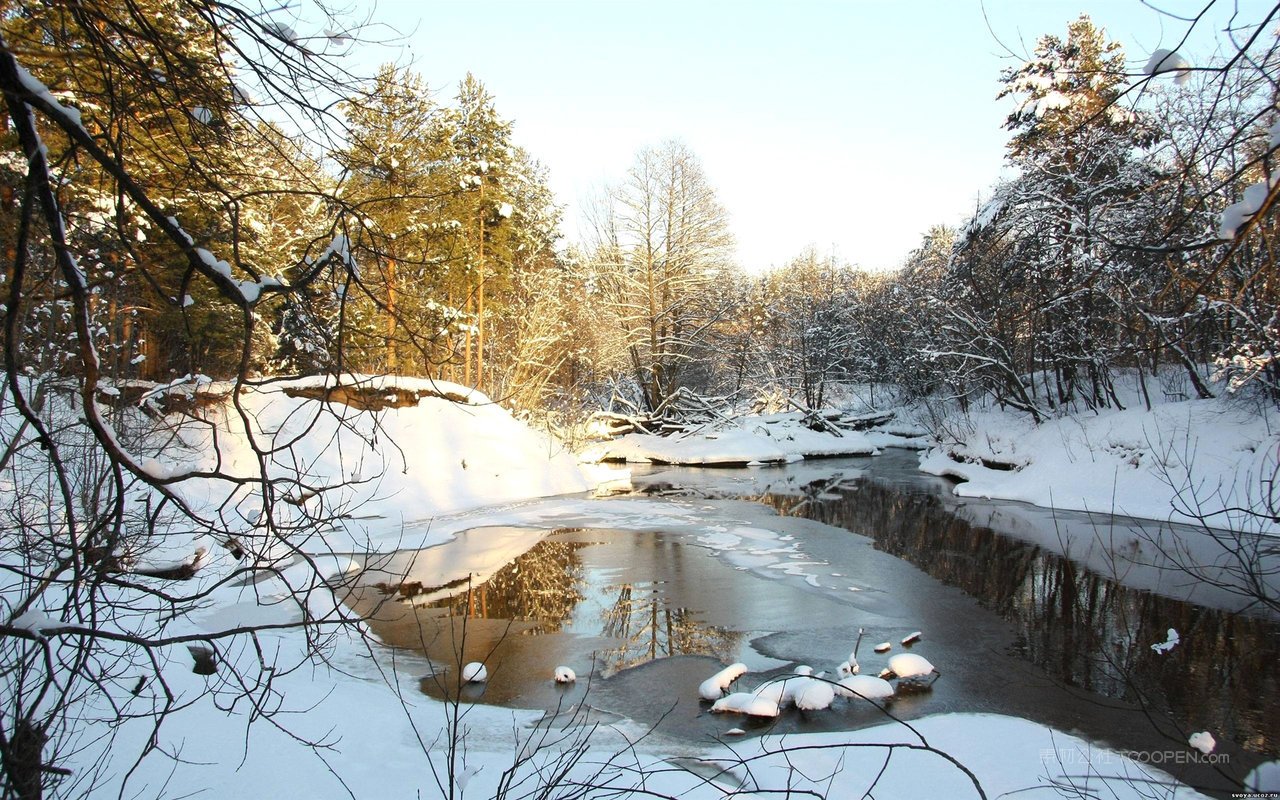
[852, 126]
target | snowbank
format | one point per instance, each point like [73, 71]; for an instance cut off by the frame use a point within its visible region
[384, 454]
[768, 439]
[1182, 461]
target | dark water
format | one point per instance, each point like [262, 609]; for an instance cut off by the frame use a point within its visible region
[1085, 628]
[1040, 615]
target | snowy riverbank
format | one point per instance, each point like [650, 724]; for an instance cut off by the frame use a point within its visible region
[1199, 461]
[759, 440]
[1211, 462]
[447, 461]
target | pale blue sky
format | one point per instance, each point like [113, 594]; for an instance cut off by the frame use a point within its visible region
[849, 125]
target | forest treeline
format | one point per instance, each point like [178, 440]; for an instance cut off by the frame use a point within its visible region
[393, 227]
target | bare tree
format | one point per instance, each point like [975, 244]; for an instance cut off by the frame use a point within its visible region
[136, 189]
[661, 246]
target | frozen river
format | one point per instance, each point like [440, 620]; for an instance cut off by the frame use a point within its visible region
[1025, 612]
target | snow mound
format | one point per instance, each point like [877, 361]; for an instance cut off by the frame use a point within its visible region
[1182, 461]
[355, 447]
[866, 686]
[714, 687]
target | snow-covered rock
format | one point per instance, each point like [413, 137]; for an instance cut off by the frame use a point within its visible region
[746, 703]
[714, 687]
[910, 665]
[815, 695]
[868, 686]
[1202, 741]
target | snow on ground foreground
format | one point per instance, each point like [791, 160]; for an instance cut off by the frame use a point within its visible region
[1183, 461]
[750, 441]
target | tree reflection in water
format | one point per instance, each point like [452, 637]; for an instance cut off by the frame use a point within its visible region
[1085, 629]
[542, 586]
[539, 593]
[643, 620]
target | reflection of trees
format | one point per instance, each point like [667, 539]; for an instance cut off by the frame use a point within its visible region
[649, 628]
[540, 585]
[1083, 628]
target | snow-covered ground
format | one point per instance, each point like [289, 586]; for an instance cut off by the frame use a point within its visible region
[1210, 462]
[446, 463]
[383, 738]
[1195, 460]
[753, 440]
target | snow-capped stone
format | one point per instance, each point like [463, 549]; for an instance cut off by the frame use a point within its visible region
[815, 695]
[910, 665]
[746, 703]
[868, 686]
[475, 672]
[714, 687]
[1202, 741]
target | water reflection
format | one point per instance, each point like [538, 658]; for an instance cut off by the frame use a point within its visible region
[541, 586]
[648, 627]
[1085, 628]
[546, 591]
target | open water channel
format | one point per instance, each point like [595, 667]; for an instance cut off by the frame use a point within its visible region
[1025, 611]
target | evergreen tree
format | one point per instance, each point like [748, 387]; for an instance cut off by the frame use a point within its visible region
[396, 180]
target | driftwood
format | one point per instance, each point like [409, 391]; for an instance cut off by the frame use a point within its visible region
[681, 412]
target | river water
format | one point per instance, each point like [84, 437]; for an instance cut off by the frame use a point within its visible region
[1027, 612]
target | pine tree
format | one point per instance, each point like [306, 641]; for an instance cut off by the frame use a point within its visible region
[395, 177]
[1041, 266]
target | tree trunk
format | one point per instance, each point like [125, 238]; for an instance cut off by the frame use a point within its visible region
[392, 363]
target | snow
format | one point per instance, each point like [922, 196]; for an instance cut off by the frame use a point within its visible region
[1202, 741]
[910, 665]
[1164, 61]
[36, 622]
[451, 451]
[475, 672]
[1264, 778]
[1183, 461]
[814, 695]
[746, 703]
[714, 687]
[866, 686]
[33, 85]
[845, 764]
[1171, 641]
[1236, 215]
[466, 480]
[751, 440]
